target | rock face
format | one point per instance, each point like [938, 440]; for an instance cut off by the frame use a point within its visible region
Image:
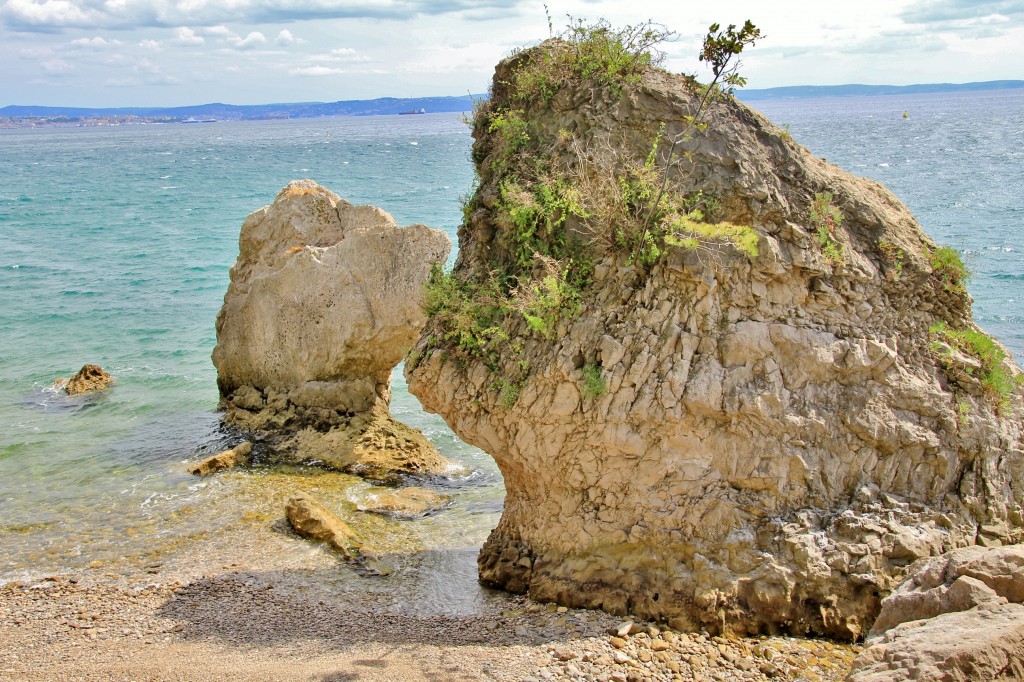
[752, 443]
[227, 459]
[957, 616]
[324, 300]
[89, 379]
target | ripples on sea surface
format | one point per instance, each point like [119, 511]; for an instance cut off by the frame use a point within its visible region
[115, 245]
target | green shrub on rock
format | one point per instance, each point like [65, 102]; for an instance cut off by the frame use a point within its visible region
[950, 269]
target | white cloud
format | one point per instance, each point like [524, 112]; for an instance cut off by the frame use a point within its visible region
[148, 44]
[316, 71]
[340, 54]
[215, 31]
[187, 37]
[47, 15]
[942, 11]
[454, 58]
[97, 43]
[889, 42]
[35, 52]
[286, 38]
[56, 67]
[254, 39]
[135, 82]
[55, 15]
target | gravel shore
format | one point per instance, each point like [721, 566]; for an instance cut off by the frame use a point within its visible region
[287, 625]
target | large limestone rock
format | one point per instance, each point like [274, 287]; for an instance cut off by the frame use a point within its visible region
[311, 519]
[749, 444]
[223, 460]
[324, 300]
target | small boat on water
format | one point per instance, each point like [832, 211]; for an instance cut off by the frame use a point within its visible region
[421, 110]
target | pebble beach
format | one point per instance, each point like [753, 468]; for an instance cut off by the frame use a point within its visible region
[240, 625]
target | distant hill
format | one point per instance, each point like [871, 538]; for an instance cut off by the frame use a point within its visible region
[800, 91]
[242, 112]
[398, 105]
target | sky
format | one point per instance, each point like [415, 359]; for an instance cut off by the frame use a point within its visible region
[100, 53]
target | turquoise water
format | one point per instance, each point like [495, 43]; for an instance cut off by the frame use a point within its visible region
[115, 245]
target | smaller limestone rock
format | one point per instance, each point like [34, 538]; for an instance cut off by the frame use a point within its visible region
[626, 628]
[226, 459]
[313, 520]
[89, 379]
[324, 301]
[403, 503]
[950, 620]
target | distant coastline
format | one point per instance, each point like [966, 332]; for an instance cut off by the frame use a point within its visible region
[857, 90]
[19, 116]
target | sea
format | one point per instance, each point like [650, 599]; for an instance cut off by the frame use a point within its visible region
[115, 247]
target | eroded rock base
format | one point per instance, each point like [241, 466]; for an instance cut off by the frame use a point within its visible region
[371, 444]
[819, 573]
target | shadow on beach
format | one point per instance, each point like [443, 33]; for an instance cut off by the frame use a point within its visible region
[279, 608]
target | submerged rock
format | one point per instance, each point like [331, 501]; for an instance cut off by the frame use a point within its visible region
[89, 379]
[324, 300]
[226, 459]
[311, 519]
[748, 440]
[405, 503]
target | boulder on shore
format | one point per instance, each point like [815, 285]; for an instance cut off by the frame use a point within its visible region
[324, 300]
[751, 413]
[958, 616]
[89, 379]
[226, 459]
[983, 643]
[955, 581]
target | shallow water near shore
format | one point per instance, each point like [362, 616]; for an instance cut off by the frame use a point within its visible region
[115, 245]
